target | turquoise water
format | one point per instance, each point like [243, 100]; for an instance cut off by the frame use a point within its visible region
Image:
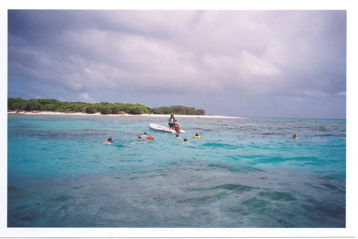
[241, 173]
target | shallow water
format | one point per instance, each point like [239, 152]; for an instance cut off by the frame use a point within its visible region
[240, 173]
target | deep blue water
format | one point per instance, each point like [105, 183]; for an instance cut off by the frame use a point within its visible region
[241, 173]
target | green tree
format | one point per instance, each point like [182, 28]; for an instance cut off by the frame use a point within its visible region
[127, 107]
[136, 111]
[49, 107]
[106, 111]
[200, 112]
[91, 110]
[20, 104]
[116, 110]
[17, 104]
[33, 105]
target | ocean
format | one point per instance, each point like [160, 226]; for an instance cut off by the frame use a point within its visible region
[241, 173]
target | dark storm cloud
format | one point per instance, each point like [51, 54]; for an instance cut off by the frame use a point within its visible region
[259, 53]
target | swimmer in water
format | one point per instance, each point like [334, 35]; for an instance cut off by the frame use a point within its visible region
[295, 136]
[177, 136]
[144, 135]
[185, 140]
[109, 141]
[196, 136]
[150, 138]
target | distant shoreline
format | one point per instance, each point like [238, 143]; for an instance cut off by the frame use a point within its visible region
[124, 115]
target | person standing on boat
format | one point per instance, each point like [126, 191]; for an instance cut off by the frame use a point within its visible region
[171, 121]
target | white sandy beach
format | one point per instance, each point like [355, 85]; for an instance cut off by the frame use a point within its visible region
[123, 115]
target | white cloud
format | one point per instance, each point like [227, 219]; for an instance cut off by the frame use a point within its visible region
[298, 99]
[341, 94]
[257, 66]
[86, 98]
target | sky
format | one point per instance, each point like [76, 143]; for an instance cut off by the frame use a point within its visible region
[249, 63]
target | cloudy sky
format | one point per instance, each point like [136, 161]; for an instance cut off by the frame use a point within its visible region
[271, 63]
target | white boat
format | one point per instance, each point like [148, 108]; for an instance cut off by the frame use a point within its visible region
[165, 129]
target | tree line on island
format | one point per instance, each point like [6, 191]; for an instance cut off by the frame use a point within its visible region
[31, 105]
